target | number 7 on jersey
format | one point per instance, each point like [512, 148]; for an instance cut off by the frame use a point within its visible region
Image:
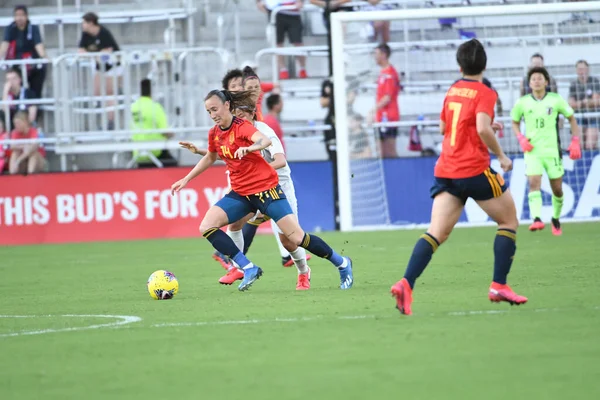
[455, 108]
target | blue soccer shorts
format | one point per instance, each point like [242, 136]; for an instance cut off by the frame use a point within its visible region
[271, 202]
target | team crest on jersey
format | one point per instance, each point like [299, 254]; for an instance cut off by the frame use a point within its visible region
[549, 110]
[231, 137]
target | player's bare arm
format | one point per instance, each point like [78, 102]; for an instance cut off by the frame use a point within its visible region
[442, 127]
[192, 147]
[575, 131]
[279, 161]
[260, 142]
[200, 167]
[487, 134]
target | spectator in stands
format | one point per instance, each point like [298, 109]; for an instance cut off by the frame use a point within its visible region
[14, 91]
[25, 158]
[148, 115]
[537, 60]
[22, 41]
[326, 101]
[4, 149]
[386, 107]
[274, 108]
[288, 22]
[584, 97]
[96, 38]
[381, 29]
[330, 6]
[358, 139]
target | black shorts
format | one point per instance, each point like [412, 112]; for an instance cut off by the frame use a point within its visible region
[388, 132]
[290, 24]
[484, 186]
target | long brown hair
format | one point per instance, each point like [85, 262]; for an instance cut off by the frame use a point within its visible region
[236, 99]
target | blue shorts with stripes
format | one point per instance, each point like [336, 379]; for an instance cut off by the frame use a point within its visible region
[272, 203]
[484, 186]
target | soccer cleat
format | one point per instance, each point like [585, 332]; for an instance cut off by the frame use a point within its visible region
[289, 262]
[250, 276]
[232, 275]
[346, 276]
[222, 259]
[403, 294]
[500, 293]
[537, 225]
[303, 281]
[284, 74]
[302, 74]
[556, 228]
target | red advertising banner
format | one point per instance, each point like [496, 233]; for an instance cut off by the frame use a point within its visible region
[105, 205]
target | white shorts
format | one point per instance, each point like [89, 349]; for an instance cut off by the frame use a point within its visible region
[290, 194]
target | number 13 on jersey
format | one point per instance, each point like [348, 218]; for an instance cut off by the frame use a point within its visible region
[455, 108]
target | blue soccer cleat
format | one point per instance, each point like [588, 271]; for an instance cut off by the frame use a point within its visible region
[346, 277]
[250, 276]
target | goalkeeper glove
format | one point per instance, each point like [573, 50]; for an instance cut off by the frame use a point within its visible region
[574, 149]
[525, 145]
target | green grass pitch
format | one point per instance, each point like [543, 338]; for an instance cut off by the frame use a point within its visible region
[213, 342]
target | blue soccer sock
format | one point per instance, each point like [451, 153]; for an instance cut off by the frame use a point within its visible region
[505, 246]
[249, 231]
[421, 255]
[223, 243]
[318, 247]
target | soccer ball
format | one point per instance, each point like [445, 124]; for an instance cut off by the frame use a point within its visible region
[162, 285]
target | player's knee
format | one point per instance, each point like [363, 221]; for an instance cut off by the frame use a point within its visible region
[205, 225]
[557, 191]
[237, 226]
[287, 243]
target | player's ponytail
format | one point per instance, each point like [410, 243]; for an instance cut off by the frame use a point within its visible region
[243, 98]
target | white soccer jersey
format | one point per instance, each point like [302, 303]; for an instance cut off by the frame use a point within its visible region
[275, 148]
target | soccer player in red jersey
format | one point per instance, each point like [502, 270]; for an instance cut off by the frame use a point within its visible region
[254, 185]
[463, 171]
[386, 108]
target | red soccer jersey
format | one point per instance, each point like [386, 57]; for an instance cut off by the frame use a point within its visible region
[250, 175]
[388, 83]
[464, 154]
[259, 113]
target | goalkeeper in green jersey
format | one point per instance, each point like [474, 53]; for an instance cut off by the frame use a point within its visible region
[541, 145]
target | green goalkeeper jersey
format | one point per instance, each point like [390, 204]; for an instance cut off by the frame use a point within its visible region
[541, 121]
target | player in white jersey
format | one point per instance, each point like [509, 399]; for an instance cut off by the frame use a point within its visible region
[275, 156]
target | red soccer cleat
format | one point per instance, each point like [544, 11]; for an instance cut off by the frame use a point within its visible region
[302, 74]
[232, 275]
[403, 294]
[284, 74]
[556, 228]
[223, 260]
[500, 293]
[289, 262]
[537, 225]
[303, 281]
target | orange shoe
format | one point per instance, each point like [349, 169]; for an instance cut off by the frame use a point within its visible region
[302, 74]
[403, 294]
[284, 74]
[500, 293]
[232, 275]
[222, 259]
[537, 225]
[556, 228]
[303, 281]
[289, 262]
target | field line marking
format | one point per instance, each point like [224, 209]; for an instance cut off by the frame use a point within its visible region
[121, 321]
[353, 317]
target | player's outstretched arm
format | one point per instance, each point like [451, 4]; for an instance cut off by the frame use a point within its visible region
[487, 134]
[261, 141]
[192, 147]
[202, 165]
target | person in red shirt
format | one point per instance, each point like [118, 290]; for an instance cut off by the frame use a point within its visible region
[274, 107]
[254, 185]
[386, 109]
[463, 171]
[25, 158]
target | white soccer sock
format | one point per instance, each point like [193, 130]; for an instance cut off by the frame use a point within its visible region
[344, 263]
[237, 237]
[284, 253]
[299, 257]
